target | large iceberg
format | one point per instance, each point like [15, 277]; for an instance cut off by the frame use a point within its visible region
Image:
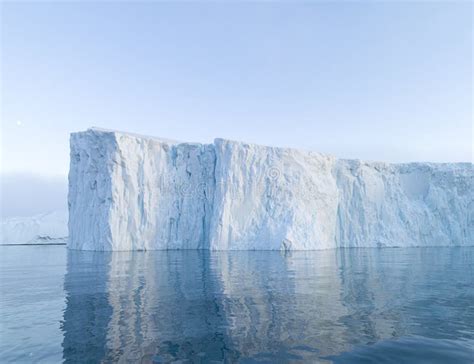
[132, 192]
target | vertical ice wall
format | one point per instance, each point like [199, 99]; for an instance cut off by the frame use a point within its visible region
[130, 192]
[416, 204]
[287, 199]
[92, 159]
[273, 198]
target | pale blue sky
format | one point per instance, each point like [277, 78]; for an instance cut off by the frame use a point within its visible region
[379, 81]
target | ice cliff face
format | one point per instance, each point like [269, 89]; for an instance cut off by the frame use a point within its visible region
[417, 204]
[273, 198]
[130, 192]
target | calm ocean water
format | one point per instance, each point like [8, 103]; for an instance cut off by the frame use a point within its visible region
[344, 306]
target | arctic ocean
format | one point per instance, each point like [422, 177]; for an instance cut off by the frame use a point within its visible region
[391, 305]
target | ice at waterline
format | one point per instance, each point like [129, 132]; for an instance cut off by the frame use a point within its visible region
[132, 192]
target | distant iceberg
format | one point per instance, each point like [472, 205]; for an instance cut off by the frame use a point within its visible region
[45, 228]
[132, 192]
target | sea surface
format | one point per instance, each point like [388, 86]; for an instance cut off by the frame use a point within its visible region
[413, 305]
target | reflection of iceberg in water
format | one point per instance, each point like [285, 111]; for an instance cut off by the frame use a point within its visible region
[392, 293]
[227, 306]
[157, 306]
[88, 311]
[281, 304]
[166, 306]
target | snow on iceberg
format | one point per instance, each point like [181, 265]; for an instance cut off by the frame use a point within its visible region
[132, 192]
[39, 229]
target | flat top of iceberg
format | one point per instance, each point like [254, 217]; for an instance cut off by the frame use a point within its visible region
[279, 149]
[135, 135]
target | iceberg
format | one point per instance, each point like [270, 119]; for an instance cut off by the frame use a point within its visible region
[47, 228]
[134, 192]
